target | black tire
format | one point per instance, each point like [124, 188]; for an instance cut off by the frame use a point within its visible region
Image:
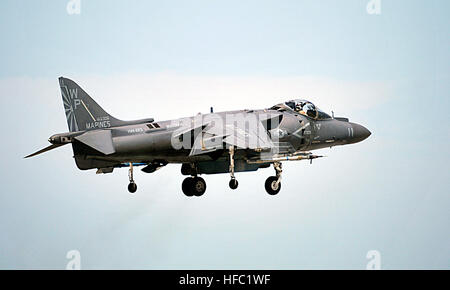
[270, 185]
[198, 186]
[233, 183]
[132, 187]
[187, 187]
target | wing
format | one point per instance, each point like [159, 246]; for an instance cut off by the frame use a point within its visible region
[243, 132]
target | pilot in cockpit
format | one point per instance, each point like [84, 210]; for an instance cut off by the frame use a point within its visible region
[303, 107]
[299, 108]
[309, 110]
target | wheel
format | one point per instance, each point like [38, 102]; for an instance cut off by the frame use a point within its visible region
[198, 186]
[233, 183]
[271, 185]
[187, 187]
[132, 187]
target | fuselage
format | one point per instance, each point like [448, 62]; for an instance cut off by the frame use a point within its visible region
[224, 142]
[147, 142]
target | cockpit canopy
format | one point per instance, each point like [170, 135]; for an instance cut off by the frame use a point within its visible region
[303, 107]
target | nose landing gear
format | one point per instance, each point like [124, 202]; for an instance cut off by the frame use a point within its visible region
[273, 183]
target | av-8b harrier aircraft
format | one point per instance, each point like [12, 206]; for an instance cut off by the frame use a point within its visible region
[224, 142]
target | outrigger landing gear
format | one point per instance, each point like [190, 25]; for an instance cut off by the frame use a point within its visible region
[233, 182]
[273, 183]
[132, 187]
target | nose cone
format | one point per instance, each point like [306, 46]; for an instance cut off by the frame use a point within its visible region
[360, 133]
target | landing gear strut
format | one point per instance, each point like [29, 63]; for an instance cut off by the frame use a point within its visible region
[273, 183]
[132, 187]
[193, 186]
[233, 182]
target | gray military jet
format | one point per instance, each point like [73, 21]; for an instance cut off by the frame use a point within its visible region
[225, 142]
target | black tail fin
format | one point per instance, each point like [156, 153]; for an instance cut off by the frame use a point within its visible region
[82, 112]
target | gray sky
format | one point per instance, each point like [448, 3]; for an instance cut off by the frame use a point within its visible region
[141, 59]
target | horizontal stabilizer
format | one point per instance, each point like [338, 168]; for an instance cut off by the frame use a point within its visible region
[100, 140]
[53, 146]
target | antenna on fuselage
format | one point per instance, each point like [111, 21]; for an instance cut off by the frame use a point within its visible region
[211, 110]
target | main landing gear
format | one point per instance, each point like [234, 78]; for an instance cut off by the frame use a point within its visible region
[132, 187]
[193, 186]
[196, 186]
[273, 183]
